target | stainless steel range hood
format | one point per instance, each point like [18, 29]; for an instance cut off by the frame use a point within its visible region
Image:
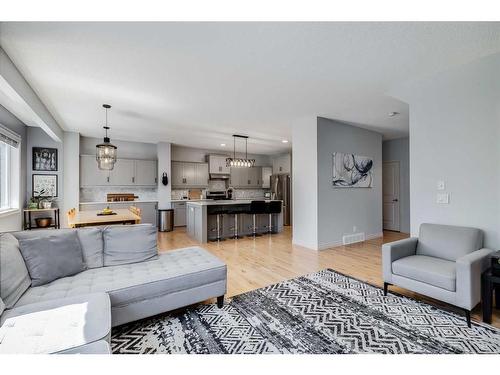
[219, 176]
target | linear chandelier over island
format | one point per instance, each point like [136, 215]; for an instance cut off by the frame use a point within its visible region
[240, 162]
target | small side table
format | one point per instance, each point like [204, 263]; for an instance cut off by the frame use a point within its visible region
[27, 217]
[490, 281]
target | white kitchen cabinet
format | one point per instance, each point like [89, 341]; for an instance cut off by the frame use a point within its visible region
[179, 213]
[123, 173]
[201, 174]
[177, 174]
[282, 164]
[266, 177]
[90, 174]
[146, 173]
[217, 164]
[246, 177]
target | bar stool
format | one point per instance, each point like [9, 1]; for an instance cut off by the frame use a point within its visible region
[273, 207]
[218, 212]
[256, 208]
[234, 210]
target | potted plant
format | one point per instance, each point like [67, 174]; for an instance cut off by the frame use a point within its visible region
[37, 199]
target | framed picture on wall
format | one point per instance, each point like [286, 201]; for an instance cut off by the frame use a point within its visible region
[46, 183]
[44, 159]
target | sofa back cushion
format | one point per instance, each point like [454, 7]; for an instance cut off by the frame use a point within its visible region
[90, 241]
[447, 241]
[125, 244]
[14, 277]
[52, 257]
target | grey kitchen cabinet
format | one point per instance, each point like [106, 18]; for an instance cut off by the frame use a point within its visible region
[123, 173]
[90, 174]
[188, 174]
[246, 177]
[266, 177]
[146, 173]
[282, 164]
[126, 172]
[149, 212]
[217, 164]
[179, 213]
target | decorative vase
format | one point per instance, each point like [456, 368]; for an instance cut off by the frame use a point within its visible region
[46, 204]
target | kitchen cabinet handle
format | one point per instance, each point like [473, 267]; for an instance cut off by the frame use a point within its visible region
[249, 182]
[156, 180]
[133, 179]
[107, 179]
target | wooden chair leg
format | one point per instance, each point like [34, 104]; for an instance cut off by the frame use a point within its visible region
[467, 317]
[220, 302]
[386, 286]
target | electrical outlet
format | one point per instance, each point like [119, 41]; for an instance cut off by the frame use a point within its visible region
[441, 185]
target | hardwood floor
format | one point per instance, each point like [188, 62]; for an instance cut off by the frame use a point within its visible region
[255, 263]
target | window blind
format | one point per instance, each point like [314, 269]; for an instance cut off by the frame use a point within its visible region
[9, 137]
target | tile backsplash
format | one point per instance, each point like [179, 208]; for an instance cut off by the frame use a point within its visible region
[237, 193]
[98, 194]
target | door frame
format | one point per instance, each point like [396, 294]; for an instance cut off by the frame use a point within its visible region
[399, 194]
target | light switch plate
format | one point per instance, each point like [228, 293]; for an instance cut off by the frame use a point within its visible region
[440, 185]
[443, 198]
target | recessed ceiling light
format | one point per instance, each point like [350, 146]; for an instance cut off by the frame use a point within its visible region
[222, 145]
[284, 141]
[392, 114]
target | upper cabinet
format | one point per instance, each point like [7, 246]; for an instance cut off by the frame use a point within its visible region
[266, 177]
[126, 172]
[187, 174]
[217, 164]
[282, 164]
[246, 177]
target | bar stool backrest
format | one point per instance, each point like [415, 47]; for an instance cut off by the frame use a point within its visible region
[274, 207]
[258, 207]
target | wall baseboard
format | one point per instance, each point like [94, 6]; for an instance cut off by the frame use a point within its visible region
[338, 243]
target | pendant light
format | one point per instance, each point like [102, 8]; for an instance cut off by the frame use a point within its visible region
[240, 162]
[106, 152]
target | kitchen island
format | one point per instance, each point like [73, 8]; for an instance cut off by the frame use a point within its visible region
[202, 224]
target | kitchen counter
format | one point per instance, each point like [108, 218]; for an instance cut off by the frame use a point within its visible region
[202, 226]
[121, 202]
[189, 200]
[228, 202]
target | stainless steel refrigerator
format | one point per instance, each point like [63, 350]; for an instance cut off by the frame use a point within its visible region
[281, 190]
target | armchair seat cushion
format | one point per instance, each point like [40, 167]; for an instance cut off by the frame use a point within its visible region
[438, 272]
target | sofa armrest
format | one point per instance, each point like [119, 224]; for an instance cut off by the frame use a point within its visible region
[393, 251]
[469, 270]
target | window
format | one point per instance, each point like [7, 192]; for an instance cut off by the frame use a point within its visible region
[9, 170]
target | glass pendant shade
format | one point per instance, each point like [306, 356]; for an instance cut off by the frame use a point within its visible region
[240, 162]
[105, 155]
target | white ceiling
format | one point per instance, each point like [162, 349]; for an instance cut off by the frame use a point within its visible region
[195, 84]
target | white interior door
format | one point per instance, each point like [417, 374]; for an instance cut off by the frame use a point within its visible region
[390, 187]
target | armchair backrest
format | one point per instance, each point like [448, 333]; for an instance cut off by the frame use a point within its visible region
[447, 241]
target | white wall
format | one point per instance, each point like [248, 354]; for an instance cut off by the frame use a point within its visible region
[454, 137]
[14, 222]
[305, 183]
[126, 149]
[182, 153]
[71, 176]
[342, 209]
[164, 166]
[399, 150]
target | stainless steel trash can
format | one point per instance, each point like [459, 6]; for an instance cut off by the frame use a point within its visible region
[166, 220]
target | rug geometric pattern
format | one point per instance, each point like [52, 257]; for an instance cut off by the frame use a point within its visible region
[324, 312]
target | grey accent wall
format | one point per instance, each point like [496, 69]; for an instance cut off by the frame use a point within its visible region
[454, 137]
[14, 222]
[342, 209]
[399, 150]
[36, 137]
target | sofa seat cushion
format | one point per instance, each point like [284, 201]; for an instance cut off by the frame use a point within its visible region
[434, 271]
[56, 325]
[173, 271]
[98, 347]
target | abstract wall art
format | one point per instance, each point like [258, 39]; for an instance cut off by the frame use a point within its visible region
[44, 185]
[352, 171]
[44, 159]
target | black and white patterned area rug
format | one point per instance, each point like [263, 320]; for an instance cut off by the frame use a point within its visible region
[325, 312]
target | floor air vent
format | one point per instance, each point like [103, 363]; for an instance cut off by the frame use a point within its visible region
[353, 238]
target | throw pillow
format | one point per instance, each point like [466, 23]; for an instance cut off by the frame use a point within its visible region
[53, 257]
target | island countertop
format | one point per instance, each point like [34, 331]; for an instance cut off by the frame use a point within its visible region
[223, 202]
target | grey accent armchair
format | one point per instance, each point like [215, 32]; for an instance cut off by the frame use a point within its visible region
[445, 262]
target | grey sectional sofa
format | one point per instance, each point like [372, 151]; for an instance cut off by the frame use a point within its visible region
[445, 262]
[75, 314]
